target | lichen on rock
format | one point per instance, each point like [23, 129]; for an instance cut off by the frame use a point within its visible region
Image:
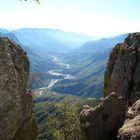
[16, 104]
[109, 120]
[122, 75]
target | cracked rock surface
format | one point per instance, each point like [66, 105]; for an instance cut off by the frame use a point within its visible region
[104, 120]
[17, 121]
[122, 75]
[131, 128]
[118, 116]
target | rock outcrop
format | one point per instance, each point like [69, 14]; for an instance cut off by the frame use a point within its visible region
[103, 122]
[122, 75]
[17, 121]
[131, 127]
[109, 120]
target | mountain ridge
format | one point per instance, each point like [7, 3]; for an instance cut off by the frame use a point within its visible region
[87, 63]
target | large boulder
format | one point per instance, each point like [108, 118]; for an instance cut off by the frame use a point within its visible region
[122, 75]
[17, 121]
[103, 121]
[131, 127]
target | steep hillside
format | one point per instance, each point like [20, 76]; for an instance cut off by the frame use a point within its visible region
[17, 120]
[88, 66]
[3, 31]
[117, 117]
[91, 48]
[48, 105]
[6, 33]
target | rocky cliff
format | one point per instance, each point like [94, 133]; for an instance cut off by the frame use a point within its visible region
[17, 121]
[118, 116]
[122, 75]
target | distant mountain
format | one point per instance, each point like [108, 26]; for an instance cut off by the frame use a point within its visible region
[88, 65]
[50, 40]
[39, 65]
[10, 35]
[87, 62]
[91, 48]
[38, 62]
[3, 31]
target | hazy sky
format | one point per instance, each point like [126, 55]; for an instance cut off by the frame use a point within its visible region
[94, 17]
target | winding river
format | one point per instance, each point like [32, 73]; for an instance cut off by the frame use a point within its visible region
[58, 72]
[55, 73]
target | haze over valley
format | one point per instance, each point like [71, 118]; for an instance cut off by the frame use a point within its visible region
[70, 70]
[66, 62]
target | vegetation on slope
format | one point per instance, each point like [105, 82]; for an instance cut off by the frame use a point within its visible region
[58, 115]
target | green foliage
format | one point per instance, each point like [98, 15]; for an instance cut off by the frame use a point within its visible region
[65, 124]
[62, 124]
[58, 115]
[120, 47]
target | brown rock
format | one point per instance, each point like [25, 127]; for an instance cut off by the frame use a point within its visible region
[103, 122]
[131, 128]
[17, 119]
[122, 75]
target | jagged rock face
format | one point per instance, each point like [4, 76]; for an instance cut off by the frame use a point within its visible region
[103, 122]
[17, 121]
[122, 77]
[123, 70]
[131, 127]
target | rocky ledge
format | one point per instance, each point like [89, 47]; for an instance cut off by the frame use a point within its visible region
[17, 121]
[118, 116]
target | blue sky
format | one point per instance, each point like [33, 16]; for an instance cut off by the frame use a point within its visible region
[99, 18]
